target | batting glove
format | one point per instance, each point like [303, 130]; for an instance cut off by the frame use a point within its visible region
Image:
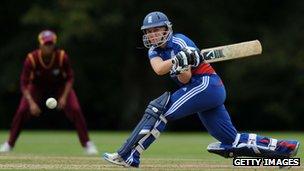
[180, 63]
[193, 56]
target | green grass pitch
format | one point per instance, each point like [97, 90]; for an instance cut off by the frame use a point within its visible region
[60, 150]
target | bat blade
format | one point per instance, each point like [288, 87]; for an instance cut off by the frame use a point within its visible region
[233, 51]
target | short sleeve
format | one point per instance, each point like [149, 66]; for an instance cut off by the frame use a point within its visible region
[152, 53]
[66, 65]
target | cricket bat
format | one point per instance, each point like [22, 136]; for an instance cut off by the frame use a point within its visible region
[233, 51]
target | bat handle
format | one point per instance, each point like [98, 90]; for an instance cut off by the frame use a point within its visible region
[202, 58]
[212, 54]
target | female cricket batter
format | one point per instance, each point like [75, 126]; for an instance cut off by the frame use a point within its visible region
[47, 73]
[201, 91]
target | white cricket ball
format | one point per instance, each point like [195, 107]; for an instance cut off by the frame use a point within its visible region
[51, 103]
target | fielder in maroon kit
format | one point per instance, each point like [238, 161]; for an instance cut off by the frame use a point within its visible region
[47, 73]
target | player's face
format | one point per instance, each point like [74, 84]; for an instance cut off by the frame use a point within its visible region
[47, 48]
[156, 34]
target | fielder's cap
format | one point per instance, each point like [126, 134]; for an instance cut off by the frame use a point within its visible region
[47, 36]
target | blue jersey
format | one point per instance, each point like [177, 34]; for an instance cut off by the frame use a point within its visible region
[175, 45]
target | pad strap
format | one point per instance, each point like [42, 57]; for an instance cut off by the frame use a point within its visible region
[252, 143]
[139, 148]
[273, 144]
[155, 132]
[163, 118]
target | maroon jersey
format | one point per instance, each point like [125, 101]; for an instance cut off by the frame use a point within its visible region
[46, 76]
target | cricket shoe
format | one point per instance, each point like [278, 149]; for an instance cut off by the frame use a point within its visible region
[132, 159]
[115, 159]
[217, 148]
[90, 148]
[5, 148]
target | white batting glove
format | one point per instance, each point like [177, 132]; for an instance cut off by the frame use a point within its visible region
[180, 63]
[193, 56]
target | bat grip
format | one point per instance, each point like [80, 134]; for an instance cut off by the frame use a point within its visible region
[202, 58]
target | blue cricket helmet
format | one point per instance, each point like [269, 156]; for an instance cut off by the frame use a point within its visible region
[152, 20]
[155, 19]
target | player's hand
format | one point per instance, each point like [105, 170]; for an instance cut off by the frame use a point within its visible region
[193, 56]
[180, 63]
[62, 102]
[34, 109]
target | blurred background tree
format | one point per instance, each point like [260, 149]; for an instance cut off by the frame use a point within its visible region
[114, 79]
